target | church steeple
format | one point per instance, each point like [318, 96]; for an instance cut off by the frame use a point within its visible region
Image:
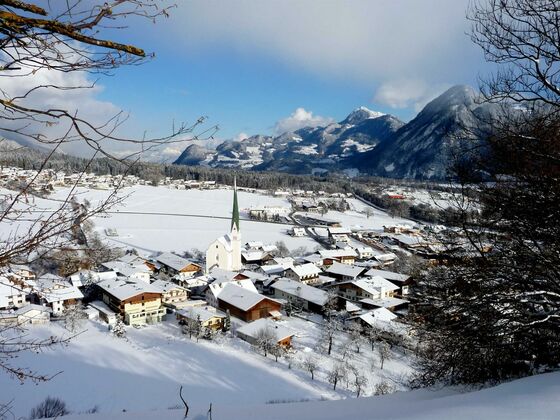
[235, 212]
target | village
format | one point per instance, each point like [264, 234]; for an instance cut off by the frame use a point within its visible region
[346, 291]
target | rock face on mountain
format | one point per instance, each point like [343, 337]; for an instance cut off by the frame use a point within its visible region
[426, 146]
[368, 141]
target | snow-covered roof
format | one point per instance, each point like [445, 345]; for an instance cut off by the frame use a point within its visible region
[173, 261]
[380, 314]
[306, 270]
[61, 294]
[410, 240]
[220, 275]
[204, 312]
[217, 287]
[240, 297]
[387, 302]
[252, 329]
[301, 290]
[345, 270]
[339, 231]
[126, 269]
[79, 278]
[253, 255]
[386, 257]
[166, 286]
[373, 285]
[337, 253]
[389, 275]
[126, 289]
[226, 241]
[285, 262]
[272, 269]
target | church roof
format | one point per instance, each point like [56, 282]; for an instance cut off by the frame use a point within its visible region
[235, 211]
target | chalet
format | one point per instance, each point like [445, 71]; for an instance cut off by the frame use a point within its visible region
[301, 295]
[246, 304]
[208, 316]
[386, 259]
[344, 256]
[344, 272]
[137, 302]
[56, 293]
[404, 281]
[313, 258]
[305, 273]
[11, 295]
[365, 288]
[339, 234]
[255, 256]
[84, 277]
[215, 288]
[172, 295]
[173, 264]
[374, 318]
[136, 271]
[365, 252]
[251, 332]
[28, 314]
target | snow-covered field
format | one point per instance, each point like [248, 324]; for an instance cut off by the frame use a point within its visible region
[144, 372]
[193, 224]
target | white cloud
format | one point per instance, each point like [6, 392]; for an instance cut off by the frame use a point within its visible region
[407, 93]
[365, 41]
[241, 136]
[298, 119]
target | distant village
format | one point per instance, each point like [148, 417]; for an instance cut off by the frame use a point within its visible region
[243, 287]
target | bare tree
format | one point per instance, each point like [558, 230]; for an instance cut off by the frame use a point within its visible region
[383, 388]
[50, 408]
[266, 340]
[310, 365]
[331, 328]
[383, 351]
[360, 381]
[356, 332]
[522, 37]
[368, 211]
[38, 45]
[336, 374]
[74, 317]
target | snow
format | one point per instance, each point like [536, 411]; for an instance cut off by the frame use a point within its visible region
[209, 212]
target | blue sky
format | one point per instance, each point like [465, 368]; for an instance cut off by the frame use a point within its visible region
[252, 66]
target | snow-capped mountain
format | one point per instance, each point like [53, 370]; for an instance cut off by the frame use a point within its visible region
[368, 141]
[308, 150]
[426, 146]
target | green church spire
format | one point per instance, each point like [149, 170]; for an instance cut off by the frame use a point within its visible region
[235, 212]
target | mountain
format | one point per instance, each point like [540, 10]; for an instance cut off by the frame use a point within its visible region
[366, 141]
[424, 147]
[304, 151]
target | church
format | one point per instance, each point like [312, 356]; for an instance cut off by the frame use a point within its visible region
[225, 252]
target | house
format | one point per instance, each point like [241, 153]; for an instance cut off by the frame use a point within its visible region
[250, 332]
[305, 273]
[301, 295]
[255, 256]
[374, 318]
[365, 288]
[84, 277]
[105, 313]
[390, 303]
[344, 272]
[386, 259]
[208, 316]
[57, 293]
[247, 305]
[365, 252]
[137, 271]
[171, 294]
[298, 231]
[339, 234]
[28, 314]
[215, 288]
[11, 295]
[137, 302]
[404, 281]
[344, 256]
[173, 264]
